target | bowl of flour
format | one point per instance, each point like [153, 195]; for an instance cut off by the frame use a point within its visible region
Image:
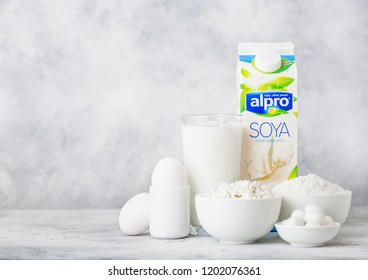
[312, 189]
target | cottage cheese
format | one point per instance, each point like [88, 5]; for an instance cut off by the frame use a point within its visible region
[240, 189]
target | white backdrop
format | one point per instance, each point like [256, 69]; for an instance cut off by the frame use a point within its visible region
[91, 92]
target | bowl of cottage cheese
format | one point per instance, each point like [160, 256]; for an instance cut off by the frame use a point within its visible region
[238, 213]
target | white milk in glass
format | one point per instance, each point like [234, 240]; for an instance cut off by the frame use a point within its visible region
[212, 152]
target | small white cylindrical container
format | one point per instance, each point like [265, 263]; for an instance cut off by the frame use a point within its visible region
[169, 200]
[169, 212]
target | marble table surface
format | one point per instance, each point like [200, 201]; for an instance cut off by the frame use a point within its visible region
[94, 234]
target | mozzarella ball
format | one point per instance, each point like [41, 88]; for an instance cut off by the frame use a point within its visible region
[293, 221]
[313, 218]
[327, 221]
[299, 213]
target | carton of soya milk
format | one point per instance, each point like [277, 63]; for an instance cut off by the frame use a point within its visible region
[267, 99]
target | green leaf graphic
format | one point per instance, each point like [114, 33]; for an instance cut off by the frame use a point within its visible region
[277, 83]
[245, 73]
[281, 89]
[283, 81]
[285, 64]
[295, 114]
[273, 113]
[244, 87]
[293, 173]
[295, 99]
[242, 102]
[242, 99]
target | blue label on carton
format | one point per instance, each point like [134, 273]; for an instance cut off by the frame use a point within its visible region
[269, 103]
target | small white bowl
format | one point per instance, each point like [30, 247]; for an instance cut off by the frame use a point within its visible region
[336, 206]
[237, 221]
[307, 236]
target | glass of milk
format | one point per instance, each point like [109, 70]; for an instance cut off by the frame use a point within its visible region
[212, 152]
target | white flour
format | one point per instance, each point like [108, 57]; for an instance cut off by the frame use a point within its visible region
[310, 184]
[240, 189]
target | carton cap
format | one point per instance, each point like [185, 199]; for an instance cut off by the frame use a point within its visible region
[267, 61]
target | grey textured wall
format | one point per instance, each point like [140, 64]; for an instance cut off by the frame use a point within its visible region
[91, 92]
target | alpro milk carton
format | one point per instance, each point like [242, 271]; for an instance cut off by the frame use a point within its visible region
[267, 99]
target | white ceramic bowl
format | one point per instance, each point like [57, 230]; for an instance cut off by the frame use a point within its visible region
[304, 236]
[237, 221]
[336, 206]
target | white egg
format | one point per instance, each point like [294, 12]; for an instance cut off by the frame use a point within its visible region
[169, 173]
[327, 221]
[313, 208]
[293, 221]
[299, 213]
[134, 216]
[313, 218]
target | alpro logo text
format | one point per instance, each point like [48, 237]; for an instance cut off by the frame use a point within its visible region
[269, 103]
